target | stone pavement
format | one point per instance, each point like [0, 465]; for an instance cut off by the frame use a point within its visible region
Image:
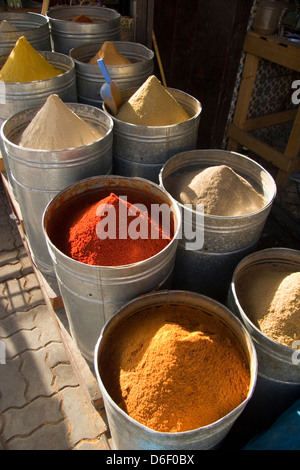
[44, 403]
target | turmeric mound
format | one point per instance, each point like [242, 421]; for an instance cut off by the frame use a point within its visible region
[25, 64]
[174, 369]
[152, 105]
[110, 54]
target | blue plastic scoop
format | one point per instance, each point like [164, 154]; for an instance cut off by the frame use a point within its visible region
[109, 91]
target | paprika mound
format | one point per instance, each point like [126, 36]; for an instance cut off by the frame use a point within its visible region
[174, 368]
[99, 233]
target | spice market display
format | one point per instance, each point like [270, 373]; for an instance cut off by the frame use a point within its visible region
[171, 370]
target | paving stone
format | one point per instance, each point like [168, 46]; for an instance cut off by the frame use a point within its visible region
[12, 385]
[21, 341]
[79, 412]
[21, 422]
[64, 376]
[56, 354]
[36, 373]
[9, 270]
[95, 444]
[48, 437]
[16, 322]
[47, 325]
[14, 296]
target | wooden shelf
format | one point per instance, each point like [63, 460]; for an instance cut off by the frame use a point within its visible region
[279, 51]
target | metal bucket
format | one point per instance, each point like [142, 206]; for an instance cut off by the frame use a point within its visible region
[39, 175]
[127, 433]
[91, 294]
[90, 78]
[33, 26]
[16, 97]
[278, 381]
[225, 240]
[143, 150]
[67, 34]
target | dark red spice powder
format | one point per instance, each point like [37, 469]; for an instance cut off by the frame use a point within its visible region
[83, 244]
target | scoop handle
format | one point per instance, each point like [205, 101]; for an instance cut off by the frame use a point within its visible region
[104, 70]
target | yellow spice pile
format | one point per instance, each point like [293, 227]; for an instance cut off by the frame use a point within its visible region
[219, 188]
[25, 64]
[270, 296]
[110, 54]
[152, 105]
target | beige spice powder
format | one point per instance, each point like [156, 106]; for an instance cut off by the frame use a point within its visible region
[221, 190]
[270, 296]
[152, 105]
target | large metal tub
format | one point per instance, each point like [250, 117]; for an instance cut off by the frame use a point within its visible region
[225, 240]
[67, 34]
[39, 175]
[33, 26]
[90, 78]
[16, 97]
[91, 294]
[143, 150]
[278, 382]
[127, 433]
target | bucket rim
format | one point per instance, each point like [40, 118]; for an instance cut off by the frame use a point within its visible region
[96, 8]
[174, 209]
[112, 67]
[28, 14]
[287, 351]
[34, 110]
[196, 116]
[222, 217]
[253, 367]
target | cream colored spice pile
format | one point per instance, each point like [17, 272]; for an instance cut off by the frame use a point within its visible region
[270, 297]
[56, 127]
[220, 189]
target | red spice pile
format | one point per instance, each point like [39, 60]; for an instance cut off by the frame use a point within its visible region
[84, 244]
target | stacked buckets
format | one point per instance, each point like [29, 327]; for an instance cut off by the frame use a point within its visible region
[97, 298]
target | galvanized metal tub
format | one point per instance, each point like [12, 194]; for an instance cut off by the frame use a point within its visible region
[225, 240]
[278, 381]
[143, 150]
[67, 34]
[33, 26]
[127, 433]
[91, 294]
[39, 175]
[90, 78]
[16, 97]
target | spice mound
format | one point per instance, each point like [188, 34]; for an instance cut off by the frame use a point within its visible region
[25, 64]
[219, 188]
[56, 127]
[174, 369]
[104, 233]
[152, 105]
[6, 27]
[82, 19]
[270, 297]
[110, 54]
